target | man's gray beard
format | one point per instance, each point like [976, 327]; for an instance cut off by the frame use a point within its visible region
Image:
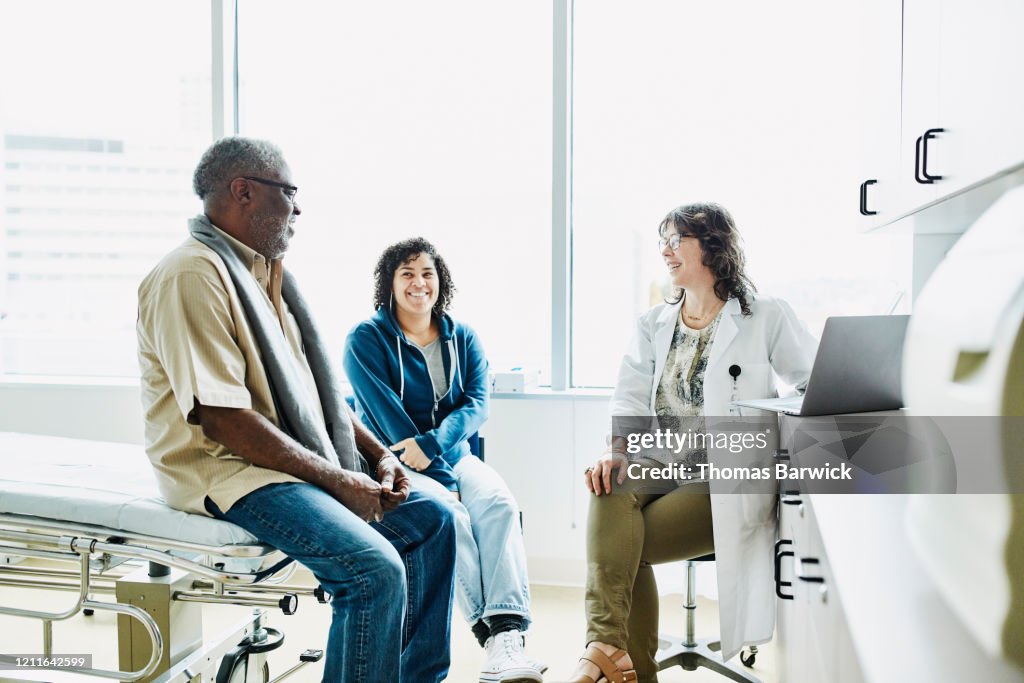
[269, 241]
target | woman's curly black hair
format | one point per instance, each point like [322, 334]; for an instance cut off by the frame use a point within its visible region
[720, 244]
[401, 253]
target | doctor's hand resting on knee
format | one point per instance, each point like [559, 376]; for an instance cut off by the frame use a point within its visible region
[681, 365]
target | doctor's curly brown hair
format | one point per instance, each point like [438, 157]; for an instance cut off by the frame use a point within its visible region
[400, 253]
[720, 244]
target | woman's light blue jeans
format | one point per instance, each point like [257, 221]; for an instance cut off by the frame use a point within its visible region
[490, 560]
[391, 580]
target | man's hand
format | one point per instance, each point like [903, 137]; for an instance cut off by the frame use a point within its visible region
[394, 482]
[413, 455]
[359, 493]
[252, 436]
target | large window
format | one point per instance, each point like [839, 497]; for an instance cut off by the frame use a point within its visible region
[104, 112]
[434, 119]
[748, 104]
[413, 118]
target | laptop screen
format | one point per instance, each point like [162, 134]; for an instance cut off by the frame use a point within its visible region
[858, 366]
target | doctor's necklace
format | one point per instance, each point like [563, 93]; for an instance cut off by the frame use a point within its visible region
[698, 318]
[710, 314]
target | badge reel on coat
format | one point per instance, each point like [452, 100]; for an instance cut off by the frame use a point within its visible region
[734, 372]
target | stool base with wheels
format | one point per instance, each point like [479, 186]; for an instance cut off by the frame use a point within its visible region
[690, 652]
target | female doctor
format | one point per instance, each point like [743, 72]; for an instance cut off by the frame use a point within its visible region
[713, 343]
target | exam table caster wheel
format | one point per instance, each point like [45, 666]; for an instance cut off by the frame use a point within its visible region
[748, 661]
[88, 612]
[239, 674]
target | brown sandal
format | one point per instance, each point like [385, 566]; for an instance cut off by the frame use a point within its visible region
[610, 671]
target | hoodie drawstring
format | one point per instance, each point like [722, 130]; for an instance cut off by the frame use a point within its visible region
[401, 368]
[453, 371]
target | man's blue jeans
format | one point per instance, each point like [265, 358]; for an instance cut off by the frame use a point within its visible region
[391, 580]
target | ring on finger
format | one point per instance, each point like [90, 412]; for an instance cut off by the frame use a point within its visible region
[588, 470]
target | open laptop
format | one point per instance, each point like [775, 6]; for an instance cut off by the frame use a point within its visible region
[857, 369]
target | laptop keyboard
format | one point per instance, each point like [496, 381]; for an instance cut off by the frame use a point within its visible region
[791, 404]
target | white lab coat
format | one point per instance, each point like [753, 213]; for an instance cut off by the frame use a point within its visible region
[769, 343]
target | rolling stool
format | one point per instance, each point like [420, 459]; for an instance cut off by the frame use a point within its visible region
[689, 652]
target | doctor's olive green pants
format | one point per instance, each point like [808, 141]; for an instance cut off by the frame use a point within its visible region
[627, 532]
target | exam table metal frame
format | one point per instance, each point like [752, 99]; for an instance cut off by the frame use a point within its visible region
[159, 641]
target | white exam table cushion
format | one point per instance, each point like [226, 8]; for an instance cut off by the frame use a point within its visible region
[105, 484]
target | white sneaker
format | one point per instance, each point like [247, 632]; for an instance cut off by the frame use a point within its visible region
[537, 664]
[506, 662]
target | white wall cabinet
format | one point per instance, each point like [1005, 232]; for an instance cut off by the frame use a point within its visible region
[919, 105]
[960, 69]
[790, 624]
[811, 639]
[981, 90]
[879, 97]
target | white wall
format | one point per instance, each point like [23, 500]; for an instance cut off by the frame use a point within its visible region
[100, 410]
[540, 443]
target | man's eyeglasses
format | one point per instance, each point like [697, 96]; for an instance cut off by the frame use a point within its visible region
[673, 241]
[289, 190]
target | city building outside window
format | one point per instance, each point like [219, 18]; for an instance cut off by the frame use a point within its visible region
[101, 123]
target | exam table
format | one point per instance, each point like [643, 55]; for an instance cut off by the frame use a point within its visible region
[95, 506]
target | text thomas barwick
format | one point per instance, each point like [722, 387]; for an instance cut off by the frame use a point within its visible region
[676, 471]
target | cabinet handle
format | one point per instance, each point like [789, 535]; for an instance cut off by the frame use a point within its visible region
[779, 554]
[797, 569]
[928, 135]
[781, 454]
[917, 161]
[864, 198]
[921, 157]
[790, 498]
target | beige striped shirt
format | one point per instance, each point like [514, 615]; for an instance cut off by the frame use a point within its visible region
[196, 344]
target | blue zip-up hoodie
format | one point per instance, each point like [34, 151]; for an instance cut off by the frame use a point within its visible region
[395, 398]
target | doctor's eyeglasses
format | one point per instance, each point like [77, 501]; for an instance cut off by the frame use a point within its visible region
[673, 240]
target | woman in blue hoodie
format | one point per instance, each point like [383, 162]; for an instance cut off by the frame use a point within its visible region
[420, 381]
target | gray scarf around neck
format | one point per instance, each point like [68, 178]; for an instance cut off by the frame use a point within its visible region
[334, 440]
